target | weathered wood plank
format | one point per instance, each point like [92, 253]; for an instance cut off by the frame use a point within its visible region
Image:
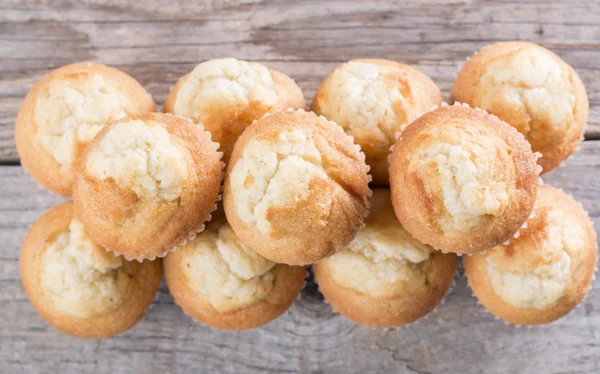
[459, 336]
[157, 42]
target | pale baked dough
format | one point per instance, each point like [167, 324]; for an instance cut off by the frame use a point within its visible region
[385, 277]
[76, 285]
[545, 272]
[462, 180]
[373, 100]
[276, 173]
[296, 188]
[227, 95]
[219, 281]
[146, 175]
[139, 156]
[83, 279]
[65, 110]
[532, 89]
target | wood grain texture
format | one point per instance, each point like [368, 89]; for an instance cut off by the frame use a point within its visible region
[459, 337]
[158, 41]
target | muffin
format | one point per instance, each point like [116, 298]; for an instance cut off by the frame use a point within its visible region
[544, 273]
[222, 283]
[296, 188]
[385, 277]
[462, 180]
[77, 286]
[65, 110]
[227, 95]
[373, 100]
[147, 183]
[533, 90]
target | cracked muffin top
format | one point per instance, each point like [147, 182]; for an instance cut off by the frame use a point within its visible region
[531, 89]
[65, 110]
[296, 188]
[76, 285]
[373, 100]
[462, 180]
[227, 95]
[371, 280]
[221, 282]
[545, 272]
[143, 175]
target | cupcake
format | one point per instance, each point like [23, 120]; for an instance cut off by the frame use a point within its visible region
[544, 273]
[296, 188]
[222, 283]
[77, 286]
[533, 90]
[65, 110]
[147, 183]
[462, 180]
[373, 100]
[227, 95]
[385, 277]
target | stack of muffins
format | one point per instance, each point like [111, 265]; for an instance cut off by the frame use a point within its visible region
[445, 181]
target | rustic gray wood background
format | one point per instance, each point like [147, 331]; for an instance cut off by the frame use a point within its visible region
[158, 41]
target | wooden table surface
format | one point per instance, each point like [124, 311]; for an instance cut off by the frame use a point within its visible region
[158, 41]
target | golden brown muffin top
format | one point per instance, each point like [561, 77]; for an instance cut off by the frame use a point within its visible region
[79, 287]
[291, 179]
[65, 110]
[143, 175]
[229, 275]
[533, 90]
[384, 260]
[227, 95]
[83, 279]
[536, 269]
[373, 100]
[461, 177]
